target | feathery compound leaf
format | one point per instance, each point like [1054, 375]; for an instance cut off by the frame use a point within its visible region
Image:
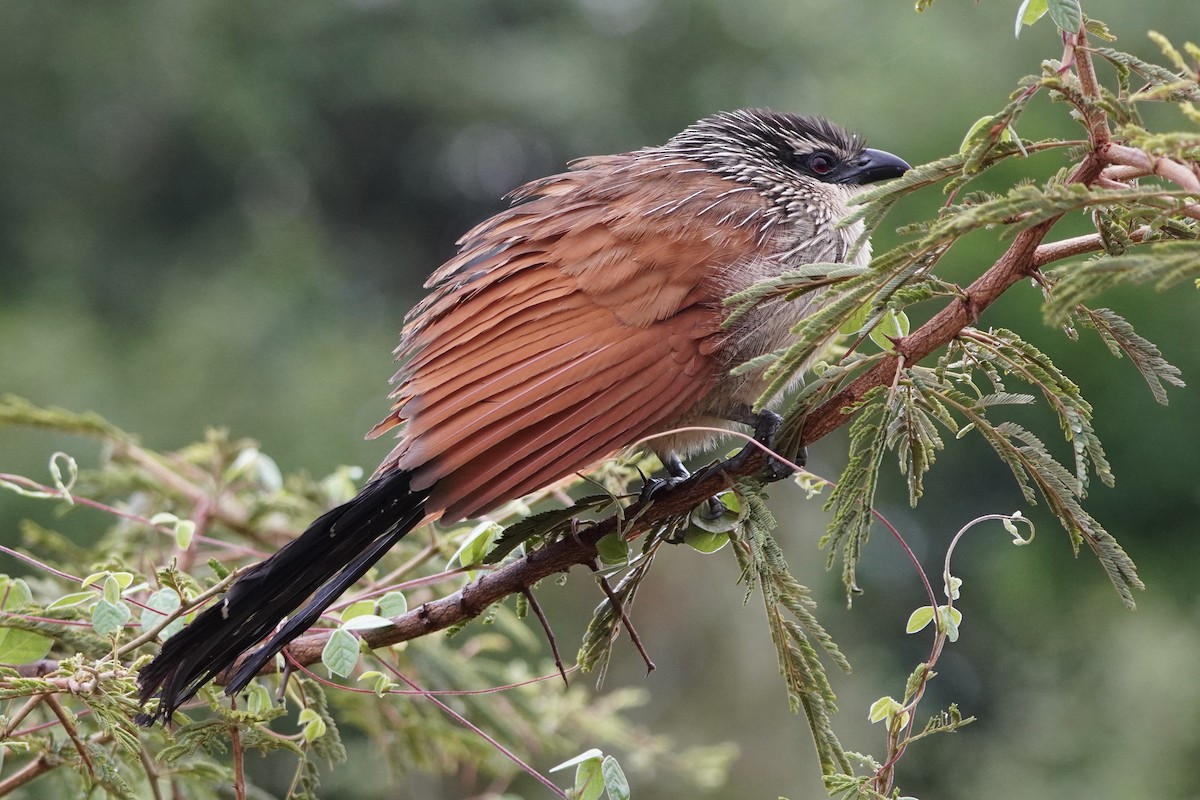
[541, 526]
[595, 650]
[887, 275]
[911, 432]
[813, 332]
[1032, 465]
[816, 390]
[1158, 76]
[854, 495]
[1161, 263]
[1012, 355]
[789, 286]
[875, 203]
[1120, 337]
[763, 564]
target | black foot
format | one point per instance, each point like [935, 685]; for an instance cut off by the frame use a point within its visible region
[677, 473]
[765, 424]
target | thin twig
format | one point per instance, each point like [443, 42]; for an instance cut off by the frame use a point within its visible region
[20, 714]
[537, 612]
[71, 731]
[619, 607]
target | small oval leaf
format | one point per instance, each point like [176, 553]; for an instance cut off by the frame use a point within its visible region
[366, 622]
[358, 609]
[393, 604]
[340, 653]
[615, 782]
[108, 618]
[159, 605]
[919, 619]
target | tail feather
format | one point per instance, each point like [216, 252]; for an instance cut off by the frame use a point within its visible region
[335, 551]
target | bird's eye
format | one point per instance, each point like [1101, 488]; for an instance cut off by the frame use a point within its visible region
[821, 163]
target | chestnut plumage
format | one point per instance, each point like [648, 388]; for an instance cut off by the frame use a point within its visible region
[580, 320]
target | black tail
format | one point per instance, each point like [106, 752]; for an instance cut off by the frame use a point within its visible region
[336, 550]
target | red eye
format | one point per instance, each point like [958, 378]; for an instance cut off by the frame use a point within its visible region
[820, 163]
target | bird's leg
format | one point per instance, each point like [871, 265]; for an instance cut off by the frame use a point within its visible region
[677, 473]
[765, 424]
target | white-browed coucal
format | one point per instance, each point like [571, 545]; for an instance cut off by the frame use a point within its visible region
[580, 320]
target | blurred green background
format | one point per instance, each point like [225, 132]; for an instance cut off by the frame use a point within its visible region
[217, 214]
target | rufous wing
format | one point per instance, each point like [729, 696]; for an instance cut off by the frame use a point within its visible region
[568, 327]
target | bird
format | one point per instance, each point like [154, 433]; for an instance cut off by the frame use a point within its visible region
[581, 319]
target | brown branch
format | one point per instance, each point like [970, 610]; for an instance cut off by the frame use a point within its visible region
[72, 732]
[41, 765]
[1078, 245]
[1131, 163]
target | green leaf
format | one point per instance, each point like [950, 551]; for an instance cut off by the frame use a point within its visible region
[589, 780]
[586, 755]
[22, 647]
[1067, 15]
[185, 531]
[73, 599]
[340, 653]
[108, 618]
[700, 522]
[159, 605]
[358, 609]
[124, 579]
[258, 701]
[314, 726]
[613, 549]
[14, 592]
[393, 604]
[893, 325]
[949, 618]
[112, 590]
[475, 546]
[919, 619]
[366, 622]
[884, 709]
[1029, 12]
[976, 131]
[615, 782]
[382, 684]
[703, 541]
[855, 321]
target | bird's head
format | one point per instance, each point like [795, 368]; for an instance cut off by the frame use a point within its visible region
[792, 159]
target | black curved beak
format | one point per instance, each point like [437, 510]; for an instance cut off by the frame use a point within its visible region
[871, 166]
